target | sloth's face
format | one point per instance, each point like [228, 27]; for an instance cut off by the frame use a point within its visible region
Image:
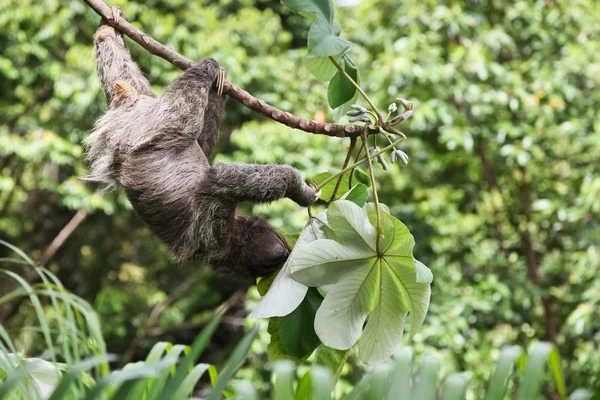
[263, 249]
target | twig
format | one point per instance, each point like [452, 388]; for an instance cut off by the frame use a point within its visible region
[346, 161]
[356, 164]
[62, 237]
[158, 49]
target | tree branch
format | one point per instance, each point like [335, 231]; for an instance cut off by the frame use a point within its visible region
[286, 118]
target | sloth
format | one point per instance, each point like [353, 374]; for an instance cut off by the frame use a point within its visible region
[158, 148]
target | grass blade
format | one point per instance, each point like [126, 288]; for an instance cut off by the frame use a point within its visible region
[499, 380]
[537, 358]
[283, 377]
[189, 383]
[63, 386]
[237, 356]
[426, 385]
[196, 349]
[454, 387]
[400, 377]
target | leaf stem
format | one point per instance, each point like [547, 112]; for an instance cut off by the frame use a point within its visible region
[346, 161]
[356, 164]
[372, 175]
[363, 94]
[358, 153]
[310, 221]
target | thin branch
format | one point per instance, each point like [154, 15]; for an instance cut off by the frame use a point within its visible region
[158, 49]
[62, 237]
[531, 258]
[356, 164]
[346, 161]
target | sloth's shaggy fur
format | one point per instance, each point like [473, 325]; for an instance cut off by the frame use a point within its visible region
[157, 149]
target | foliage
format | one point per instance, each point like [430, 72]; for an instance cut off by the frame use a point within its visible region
[502, 185]
[169, 371]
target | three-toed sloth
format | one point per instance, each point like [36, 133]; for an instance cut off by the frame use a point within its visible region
[157, 148]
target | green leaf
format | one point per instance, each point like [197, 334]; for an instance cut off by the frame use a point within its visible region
[285, 293]
[187, 386]
[197, 348]
[322, 383]
[383, 333]
[538, 357]
[327, 190]
[362, 177]
[348, 221]
[499, 379]
[454, 387]
[265, 283]
[340, 89]
[400, 376]
[304, 387]
[74, 373]
[275, 348]
[339, 320]
[321, 67]
[323, 41]
[283, 375]
[234, 360]
[378, 382]
[297, 330]
[332, 359]
[322, 35]
[363, 283]
[427, 379]
[358, 195]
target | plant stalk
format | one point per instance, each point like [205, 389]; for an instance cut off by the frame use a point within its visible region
[356, 164]
[346, 161]
[372, 175]
[363, 94]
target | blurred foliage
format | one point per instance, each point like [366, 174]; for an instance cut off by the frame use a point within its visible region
[503, 179]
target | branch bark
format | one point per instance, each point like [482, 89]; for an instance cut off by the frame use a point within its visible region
[261, 107]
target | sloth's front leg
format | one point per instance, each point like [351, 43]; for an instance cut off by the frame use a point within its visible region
[257, 183]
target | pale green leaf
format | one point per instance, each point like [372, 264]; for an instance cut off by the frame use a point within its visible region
[383, 334]
[340, 318]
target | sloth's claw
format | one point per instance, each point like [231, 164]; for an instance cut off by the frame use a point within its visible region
[115, 13]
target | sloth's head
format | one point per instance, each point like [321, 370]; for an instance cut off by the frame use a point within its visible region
[256, 248]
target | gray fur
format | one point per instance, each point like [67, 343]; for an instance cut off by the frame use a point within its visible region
[157, 148]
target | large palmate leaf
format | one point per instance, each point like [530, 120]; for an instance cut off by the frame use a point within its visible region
[323, 39]
[285, 294]
[383, 286]
[324, 42]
